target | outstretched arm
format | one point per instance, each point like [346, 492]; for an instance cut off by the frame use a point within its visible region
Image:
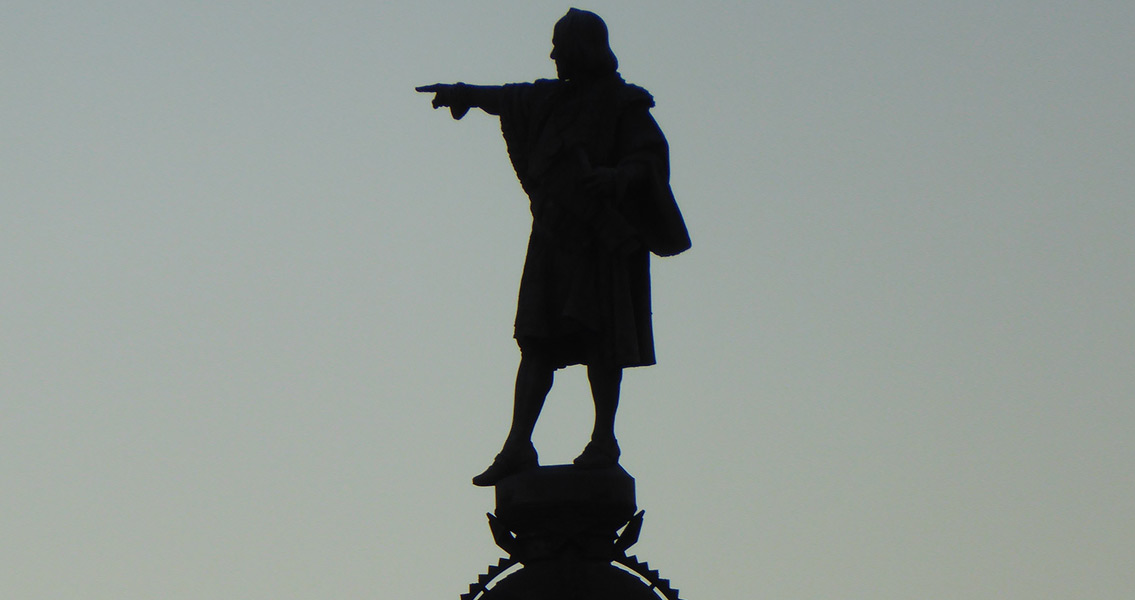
[460, 97]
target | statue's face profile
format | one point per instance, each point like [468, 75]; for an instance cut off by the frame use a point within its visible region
[562, 54]
[580, 47]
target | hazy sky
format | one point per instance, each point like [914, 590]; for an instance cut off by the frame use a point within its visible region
[256, 298]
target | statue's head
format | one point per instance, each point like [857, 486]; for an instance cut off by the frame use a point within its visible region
[580, 47]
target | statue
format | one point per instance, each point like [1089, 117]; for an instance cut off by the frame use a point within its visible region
[595, 166]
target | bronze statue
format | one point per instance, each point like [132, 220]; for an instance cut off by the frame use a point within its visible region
[595, 167]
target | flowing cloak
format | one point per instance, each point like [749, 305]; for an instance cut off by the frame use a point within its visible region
[585, 289]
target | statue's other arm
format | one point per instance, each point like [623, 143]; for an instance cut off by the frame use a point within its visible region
[460, 97]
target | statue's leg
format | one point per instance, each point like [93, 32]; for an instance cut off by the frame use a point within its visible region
[603, 450]
[533, 382]
[605, 383]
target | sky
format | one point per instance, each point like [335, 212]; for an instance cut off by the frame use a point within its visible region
[256, 298]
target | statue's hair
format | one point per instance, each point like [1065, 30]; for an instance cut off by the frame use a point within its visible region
[582, 35]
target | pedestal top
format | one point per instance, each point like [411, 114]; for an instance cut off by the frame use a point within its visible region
[606, 495]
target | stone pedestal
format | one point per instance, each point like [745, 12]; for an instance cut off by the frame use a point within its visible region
[570, 529]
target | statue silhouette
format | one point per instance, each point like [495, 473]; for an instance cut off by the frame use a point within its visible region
[595, 166]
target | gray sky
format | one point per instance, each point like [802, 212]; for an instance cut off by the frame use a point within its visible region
[256, 298]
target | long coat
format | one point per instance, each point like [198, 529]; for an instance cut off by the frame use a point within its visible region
[585, 289]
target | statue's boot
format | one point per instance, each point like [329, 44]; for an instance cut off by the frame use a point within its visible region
[599, 454]
[509, 462]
